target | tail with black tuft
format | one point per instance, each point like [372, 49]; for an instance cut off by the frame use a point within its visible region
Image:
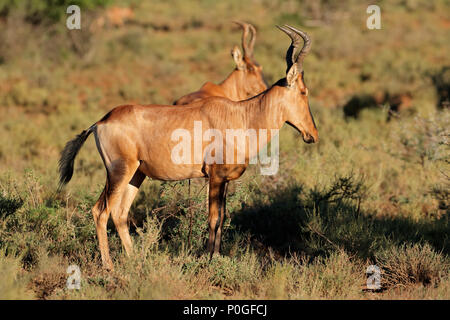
[68, 156]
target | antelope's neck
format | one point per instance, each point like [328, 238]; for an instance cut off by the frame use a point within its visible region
[232, 87]
[265, 110]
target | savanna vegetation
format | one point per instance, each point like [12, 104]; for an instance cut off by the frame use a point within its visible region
[373, 191]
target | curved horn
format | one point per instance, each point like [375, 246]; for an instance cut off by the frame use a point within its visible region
[290, 53]
[253, 39]
[305, 49]
[296, 36]
[248, 51]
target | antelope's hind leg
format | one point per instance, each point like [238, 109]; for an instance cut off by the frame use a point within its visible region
[101, 214]
[120, 214]
[119, 174]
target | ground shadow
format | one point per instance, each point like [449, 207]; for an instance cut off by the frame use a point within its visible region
[312, 222]
[300, 220]
[395, 102]
[441, 82]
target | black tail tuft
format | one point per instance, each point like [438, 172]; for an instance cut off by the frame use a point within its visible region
[68, 157]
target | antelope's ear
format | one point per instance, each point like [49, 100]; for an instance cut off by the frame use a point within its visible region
[238, 59]
[292, 75]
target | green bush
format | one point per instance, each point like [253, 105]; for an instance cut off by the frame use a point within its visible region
[412, 264]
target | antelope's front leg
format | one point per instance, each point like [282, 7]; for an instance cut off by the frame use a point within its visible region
[217, 192]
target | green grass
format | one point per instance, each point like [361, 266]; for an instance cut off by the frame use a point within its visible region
[371, 191]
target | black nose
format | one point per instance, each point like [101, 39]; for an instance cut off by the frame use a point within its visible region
[308, 138]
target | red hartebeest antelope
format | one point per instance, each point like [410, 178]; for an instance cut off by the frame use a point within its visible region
[134, 141]
[244, 82]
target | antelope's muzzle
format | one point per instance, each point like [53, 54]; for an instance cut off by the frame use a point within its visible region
[308, 138]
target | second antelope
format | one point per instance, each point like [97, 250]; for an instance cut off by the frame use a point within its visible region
[134, 141]
[244, 82]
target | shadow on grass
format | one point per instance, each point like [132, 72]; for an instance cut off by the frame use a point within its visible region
[396, 102]
[315, 222]
[441, 82]
[295, 220]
